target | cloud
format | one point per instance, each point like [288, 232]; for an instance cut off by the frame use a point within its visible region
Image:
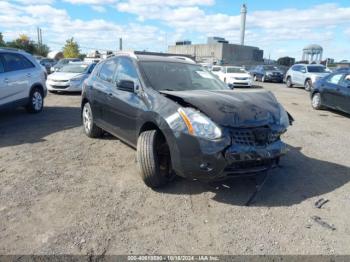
[58, 26]
[91, 2]
[98, 8]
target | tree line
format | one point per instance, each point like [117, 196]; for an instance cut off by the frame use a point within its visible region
[70, 49]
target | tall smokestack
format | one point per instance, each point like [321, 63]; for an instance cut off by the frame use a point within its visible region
[120, 44]
[243, 19]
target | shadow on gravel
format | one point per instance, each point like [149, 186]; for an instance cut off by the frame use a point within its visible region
[18, 127]
[300, 177]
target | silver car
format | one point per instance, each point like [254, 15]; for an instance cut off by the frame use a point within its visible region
[22, 81]
[305, 75]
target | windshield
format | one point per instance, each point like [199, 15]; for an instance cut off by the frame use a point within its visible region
[235, 70]
[316, 69]
[71, 68]
[270, 68]
[173, 76]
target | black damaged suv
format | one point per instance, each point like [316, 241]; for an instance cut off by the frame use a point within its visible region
[182, 119]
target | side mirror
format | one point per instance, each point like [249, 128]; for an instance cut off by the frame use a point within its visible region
[126, 85]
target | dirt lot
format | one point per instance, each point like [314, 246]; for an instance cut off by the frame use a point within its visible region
[64, 193]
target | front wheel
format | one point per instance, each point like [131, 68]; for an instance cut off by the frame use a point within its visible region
[316, 101]
[36, 101]
[153, 157]
[308, 85]
[255, 78]
[263, 79]
[91, 130]
[289, 82]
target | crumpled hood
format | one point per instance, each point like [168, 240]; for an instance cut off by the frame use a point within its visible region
[232, 108]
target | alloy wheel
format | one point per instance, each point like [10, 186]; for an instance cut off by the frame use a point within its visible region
[87, 118]
[37, 101]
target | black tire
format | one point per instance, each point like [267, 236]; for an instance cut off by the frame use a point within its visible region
[36, 101]
[90, 129]
[289, 82]
[316, 101]
[154, 159]
[307, 85]
[255, 78]
[263, 79]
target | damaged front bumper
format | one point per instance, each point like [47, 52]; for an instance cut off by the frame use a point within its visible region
[228, 157]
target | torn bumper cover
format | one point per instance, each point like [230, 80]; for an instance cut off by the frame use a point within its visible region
[213, 160]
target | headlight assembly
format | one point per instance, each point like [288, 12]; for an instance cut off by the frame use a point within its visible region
[198, 124]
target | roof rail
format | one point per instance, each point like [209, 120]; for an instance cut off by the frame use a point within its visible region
[183, 58]
[11, 48]
[126, 53]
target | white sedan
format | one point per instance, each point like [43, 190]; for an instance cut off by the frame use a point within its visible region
[235, 76]
[70, 77]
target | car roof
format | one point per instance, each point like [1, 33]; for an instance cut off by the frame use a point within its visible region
[155, 58]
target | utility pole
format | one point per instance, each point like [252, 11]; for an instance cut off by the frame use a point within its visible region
[120, 44]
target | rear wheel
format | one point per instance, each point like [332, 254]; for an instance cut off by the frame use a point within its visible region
[289, 82]
[316, 101]
[308, 85]
[153, 157]
[91, 130]
[36, 101]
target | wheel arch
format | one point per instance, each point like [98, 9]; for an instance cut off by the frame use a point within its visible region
[37, 85]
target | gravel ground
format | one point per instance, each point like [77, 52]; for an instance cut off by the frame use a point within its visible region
[63, 193]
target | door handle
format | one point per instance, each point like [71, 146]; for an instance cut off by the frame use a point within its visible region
[6, 80]
[29, 75]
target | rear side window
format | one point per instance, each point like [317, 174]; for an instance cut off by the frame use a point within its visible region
[15, 62]
[107, 70]
[335, 79]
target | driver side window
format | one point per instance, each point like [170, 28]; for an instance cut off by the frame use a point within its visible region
[126, 71]
[334, 79]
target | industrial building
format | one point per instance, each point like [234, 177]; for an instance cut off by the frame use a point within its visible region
[218, 50]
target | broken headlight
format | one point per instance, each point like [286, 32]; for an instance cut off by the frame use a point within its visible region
[198, 124]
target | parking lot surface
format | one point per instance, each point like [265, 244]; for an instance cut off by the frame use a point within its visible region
[64, 193]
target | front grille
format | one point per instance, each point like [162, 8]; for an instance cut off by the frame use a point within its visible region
[241, 78]
[58, 81]
[60, 87]
[254, 136]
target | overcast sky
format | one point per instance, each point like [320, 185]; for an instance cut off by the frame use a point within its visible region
[279, 27]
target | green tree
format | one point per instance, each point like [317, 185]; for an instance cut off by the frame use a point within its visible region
[42, 50]
[2, 42]
[23, 42]
[71, 49]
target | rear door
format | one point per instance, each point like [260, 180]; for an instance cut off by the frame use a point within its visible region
[16, 78]
[299, 73]
[100, 90]
[344, 93]
[331, 90]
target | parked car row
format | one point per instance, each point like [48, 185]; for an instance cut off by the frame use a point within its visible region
[181, 118]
